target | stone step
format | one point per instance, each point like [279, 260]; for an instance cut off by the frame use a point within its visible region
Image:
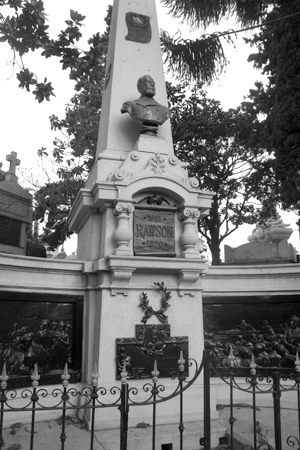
[141, 438]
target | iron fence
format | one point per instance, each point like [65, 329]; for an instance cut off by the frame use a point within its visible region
[257, 384]
[68, 398]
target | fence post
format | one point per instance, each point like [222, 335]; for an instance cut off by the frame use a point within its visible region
[65, 397]
[3, 398]
[94, 396]
[276, 404]
[34, 398]
[124, 408]
[206, 401]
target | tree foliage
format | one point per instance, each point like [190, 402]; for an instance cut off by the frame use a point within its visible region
[278, 102]
[75, 143]
[26, 29]
[221, 151]
[53, 203]
[203, 59]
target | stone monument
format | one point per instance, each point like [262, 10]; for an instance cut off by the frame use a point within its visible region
[136, 221]
[268, 244]
[15, 211]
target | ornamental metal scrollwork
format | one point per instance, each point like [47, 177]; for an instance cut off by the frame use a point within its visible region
[149, 311]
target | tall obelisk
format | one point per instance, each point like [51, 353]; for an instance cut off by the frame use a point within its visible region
[134, 51]
[136, 221]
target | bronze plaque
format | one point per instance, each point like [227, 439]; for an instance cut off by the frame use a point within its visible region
[267, 327]
[42, 329]
[152, 342]
[139, 28]
[154, 232]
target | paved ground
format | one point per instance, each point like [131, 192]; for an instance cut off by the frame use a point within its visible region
[264, 427]
[47, 434]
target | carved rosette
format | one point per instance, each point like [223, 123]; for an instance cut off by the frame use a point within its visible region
[123, 234]
[189, 238]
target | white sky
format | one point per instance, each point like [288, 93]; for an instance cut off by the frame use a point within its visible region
[24, 122]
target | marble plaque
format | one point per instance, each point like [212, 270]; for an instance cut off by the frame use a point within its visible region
[152, 342]
[154, 232]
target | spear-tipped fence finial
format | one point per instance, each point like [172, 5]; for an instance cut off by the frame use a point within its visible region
[124, 374]
[181, 362]
[253, 365]
[231, 356]
[297, 363]
[155, 372]
[95, 375]
[35, 376]
[65, 376]
[4, 377]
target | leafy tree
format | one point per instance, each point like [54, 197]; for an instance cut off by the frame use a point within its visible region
[278, 102]
[278, 56]
[53, 203]
[75, 145]
[26, 30]
[221, 151]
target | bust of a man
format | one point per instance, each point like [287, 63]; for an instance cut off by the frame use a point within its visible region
[146, 109]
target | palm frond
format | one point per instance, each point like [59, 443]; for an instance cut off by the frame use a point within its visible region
[200, 60]
[203, 12]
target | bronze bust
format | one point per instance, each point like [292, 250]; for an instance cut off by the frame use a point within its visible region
[146, 109]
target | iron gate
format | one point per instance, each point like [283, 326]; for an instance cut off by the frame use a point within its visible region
[253, 385]
[92, 398]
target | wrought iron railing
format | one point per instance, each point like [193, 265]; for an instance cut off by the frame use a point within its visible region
[256, 384]
[92, 398]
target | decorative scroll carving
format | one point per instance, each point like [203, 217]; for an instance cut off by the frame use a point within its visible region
[173, 160]
[189, 237]
[194, 183]
[123, 234]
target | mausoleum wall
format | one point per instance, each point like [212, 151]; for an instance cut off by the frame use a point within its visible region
[255, 294]
[252, 280]
[39, 275]
[28, 275]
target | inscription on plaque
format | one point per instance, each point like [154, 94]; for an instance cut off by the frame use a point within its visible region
[154, 232]
[152, 342]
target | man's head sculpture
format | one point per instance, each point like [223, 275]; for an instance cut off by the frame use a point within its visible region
[146, 86]
[146, 109]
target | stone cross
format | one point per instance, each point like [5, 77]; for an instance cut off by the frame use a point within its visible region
[14, 162]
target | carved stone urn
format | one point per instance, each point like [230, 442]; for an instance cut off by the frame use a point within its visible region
[278, 234]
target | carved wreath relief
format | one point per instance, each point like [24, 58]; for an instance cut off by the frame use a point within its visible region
[152, 342]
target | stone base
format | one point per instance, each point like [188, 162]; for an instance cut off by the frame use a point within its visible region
[260, 253]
